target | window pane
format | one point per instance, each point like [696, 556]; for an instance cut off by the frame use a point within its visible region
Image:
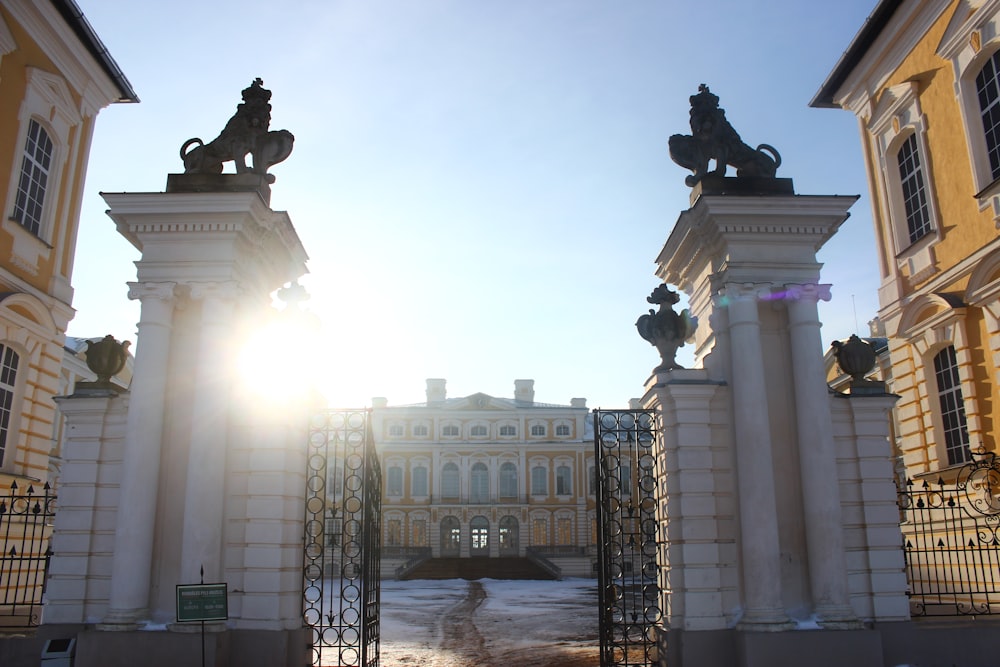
[564, 481]
[394, 481]
[8, 378]
[419, 481]
[449, 481]
[508, 480]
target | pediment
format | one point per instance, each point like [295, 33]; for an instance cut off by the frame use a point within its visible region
[960, 26]
[928, 311]
[480, 401]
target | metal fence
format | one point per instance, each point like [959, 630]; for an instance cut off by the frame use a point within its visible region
[950, 541]
[25, 528]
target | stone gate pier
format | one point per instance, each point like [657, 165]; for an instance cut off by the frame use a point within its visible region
[185, 477]
[777, 500]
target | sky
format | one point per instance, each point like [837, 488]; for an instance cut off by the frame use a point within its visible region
[482, 186]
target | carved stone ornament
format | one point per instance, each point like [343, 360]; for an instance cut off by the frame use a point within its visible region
[106, 358]
[246, 133]
[665, 329]
[713, 138]
[855, 357]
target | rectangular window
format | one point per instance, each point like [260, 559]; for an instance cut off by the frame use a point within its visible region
[419, 481]
[911, 179]
[539, 485]
[564, 481]
[393, 531]
[988, 91]
[394, 481]
[564, 532]
[419, 532]
[956, 432]
[540, 533]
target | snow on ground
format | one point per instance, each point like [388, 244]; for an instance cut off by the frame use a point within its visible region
[489, 623]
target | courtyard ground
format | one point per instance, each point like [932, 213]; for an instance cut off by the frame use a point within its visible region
[489, 623]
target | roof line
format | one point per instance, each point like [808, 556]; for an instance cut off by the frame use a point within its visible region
[71, 13]
[869, 32]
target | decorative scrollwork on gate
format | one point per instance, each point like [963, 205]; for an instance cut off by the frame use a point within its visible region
[628, 555]
[951, 540]
[342, 538]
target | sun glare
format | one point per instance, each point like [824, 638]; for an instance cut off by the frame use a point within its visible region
[278, 360]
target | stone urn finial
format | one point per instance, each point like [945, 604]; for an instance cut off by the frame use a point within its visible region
[106, 358]
[855, 357]
[665, 329]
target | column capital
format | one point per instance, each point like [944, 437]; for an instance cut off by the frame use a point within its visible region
[808, 292]
[224, 290]
[165, 291]
[731, 292]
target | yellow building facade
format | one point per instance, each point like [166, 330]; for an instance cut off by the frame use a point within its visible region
[55, 76]
[923, 79]
[487, 477]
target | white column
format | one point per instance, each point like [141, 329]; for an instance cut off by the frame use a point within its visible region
[132, 561]
[762, 602]
[204, 495]
[818, 461]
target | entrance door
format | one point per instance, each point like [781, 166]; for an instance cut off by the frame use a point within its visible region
[479, 529]
[451, 537]
[508, 536]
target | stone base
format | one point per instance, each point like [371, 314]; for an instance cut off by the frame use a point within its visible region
[232, 648]
[246, 182]
[795, 648]
[713, 184]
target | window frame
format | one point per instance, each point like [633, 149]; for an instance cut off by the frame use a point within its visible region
[954, 421]
[11, 393]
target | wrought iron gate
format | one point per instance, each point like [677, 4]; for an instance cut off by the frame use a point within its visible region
[25, 529]
[342, 539]
[951, 541]
[627, 530]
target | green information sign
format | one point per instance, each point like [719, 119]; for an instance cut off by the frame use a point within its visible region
[202, 602]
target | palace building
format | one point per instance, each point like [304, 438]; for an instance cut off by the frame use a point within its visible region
[923, 79]
[486, 477]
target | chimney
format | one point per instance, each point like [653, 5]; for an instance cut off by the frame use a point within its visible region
[524, 391]
[379, 402]
[435, 391]
[578, 402]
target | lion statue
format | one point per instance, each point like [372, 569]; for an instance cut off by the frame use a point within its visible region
[246, 133]
[713, 138]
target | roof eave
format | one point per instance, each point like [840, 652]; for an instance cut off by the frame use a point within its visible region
[74, 18]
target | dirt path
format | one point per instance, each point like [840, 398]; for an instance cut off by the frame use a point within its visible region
[459, 634]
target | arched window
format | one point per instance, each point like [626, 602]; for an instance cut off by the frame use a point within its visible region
[538, 430]
[956, 432]
[988, 92]
[564, 481]
[450, 431]
[396, 430]
[562, 430]
[419, 487]
[911, 180]
[508, 480]
[420, 431]
[508, 430]
[9, 361]
[34, 178]
[478, 431]
[480, 483]
[418, 527]
[539, 481]
[449, 480]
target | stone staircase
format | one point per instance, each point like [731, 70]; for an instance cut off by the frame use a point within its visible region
[478, 568]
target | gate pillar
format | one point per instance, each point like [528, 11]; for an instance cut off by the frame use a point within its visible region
[755, 458]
